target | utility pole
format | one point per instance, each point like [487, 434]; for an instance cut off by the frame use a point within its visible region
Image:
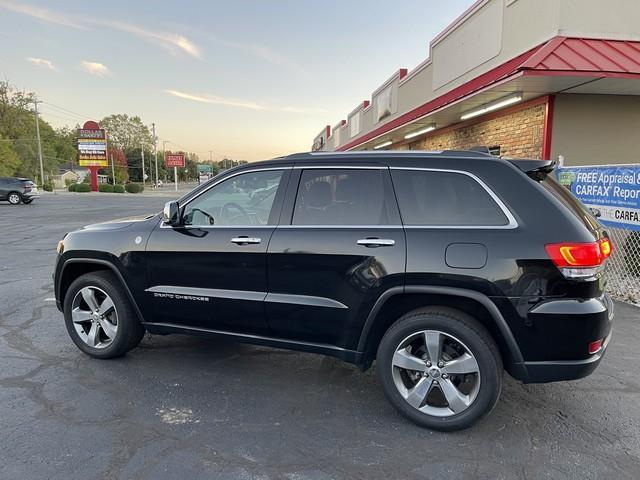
[35, 102]
[155, 149]
[142, 153]
[113, 170]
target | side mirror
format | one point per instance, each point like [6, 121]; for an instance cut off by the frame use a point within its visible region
[171, 214]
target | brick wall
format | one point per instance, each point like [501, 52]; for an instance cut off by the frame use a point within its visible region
[519, 134]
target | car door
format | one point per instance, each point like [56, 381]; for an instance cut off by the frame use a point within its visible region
[210, 272]
[339, 246]
[4, 182]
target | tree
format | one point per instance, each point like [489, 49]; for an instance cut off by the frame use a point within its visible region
[119, 165]
[18, 124]
[126, 133]
[9, 160]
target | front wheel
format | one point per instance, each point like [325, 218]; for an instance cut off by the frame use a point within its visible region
[99, 316]
[440, 368]
[14, 198]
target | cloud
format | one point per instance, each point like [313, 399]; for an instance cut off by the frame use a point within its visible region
[95, 68]
[232, 102]
[41, 62]
[172, 42]
[205, 98]
[43, 14]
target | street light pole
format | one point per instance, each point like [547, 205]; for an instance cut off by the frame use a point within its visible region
[35, 102]
[155, 149]
[143, 174]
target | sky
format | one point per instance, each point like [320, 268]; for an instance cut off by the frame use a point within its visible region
[246, 79]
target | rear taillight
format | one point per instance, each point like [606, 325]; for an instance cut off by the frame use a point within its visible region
[579, 260]
[595, 347]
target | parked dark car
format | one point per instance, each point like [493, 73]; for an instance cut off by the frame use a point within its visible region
[18, 190]
[445, 268]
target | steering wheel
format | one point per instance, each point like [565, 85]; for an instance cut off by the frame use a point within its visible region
[242, 213]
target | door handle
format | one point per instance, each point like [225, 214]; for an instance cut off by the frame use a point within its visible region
[376, 242]
[246, 240]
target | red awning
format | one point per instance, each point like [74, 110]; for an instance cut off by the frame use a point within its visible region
[580, 55]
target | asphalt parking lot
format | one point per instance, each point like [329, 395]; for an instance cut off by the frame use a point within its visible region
[183, 407]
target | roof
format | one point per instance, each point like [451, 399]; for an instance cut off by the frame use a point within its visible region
[585, 55]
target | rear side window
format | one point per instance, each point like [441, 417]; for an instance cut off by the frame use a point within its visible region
[431, 198]
[341, 197]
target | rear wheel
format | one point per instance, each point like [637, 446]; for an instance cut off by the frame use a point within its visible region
[27, 201]
[99, 317]
[440, 368]
[14, 198]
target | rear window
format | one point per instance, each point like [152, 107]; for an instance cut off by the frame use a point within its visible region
[432, 198]
[575, 206]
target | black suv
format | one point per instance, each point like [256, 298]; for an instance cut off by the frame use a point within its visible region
[445, 268]
[15, 190]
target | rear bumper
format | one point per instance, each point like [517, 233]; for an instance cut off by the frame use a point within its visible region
[543, 372]
[563, 330]
[31, 195]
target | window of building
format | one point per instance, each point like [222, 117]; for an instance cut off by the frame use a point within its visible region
[341, 197]
[386, 103]
[433, 198]
[354, 124]
[244, 199]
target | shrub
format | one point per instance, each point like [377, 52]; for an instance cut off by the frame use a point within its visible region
[68, 182]
[105, 187]
[72, 187]
[47, 186]
[133, 187]
[83, 187]
[118, 188]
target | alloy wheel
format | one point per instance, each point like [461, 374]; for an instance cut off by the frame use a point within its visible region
[14, 198]
[94, 317]
[436, 373]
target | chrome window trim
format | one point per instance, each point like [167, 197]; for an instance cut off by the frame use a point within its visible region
[352, 227]
[512, 223]
[339, 167]
[235, 174]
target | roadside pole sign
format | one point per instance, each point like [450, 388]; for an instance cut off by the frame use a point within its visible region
[205, 171]
[612, 190]
[174, 160]
[92, 150]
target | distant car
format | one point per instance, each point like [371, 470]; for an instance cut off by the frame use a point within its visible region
[16, 190]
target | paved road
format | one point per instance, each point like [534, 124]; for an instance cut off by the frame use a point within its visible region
[182, 407]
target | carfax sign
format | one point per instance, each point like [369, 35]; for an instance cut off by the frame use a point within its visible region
[612, 190]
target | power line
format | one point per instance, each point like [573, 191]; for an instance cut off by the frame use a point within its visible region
[81, 115]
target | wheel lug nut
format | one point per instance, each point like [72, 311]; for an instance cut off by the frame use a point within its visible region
[428, 364]
[445, 376]
[440, 364]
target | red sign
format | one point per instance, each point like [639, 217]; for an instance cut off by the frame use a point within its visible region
[174, 160]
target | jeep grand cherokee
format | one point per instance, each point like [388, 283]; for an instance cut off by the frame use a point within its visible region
[444, 268]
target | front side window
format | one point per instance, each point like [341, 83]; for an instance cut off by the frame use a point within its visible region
[341, 197]
[433, 198]
[244, 199]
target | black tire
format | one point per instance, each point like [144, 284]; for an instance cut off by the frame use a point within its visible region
[27, 201]
[14, 198]
[473, 335]
[129, 332]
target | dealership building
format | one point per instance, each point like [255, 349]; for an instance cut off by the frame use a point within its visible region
[525, 78]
